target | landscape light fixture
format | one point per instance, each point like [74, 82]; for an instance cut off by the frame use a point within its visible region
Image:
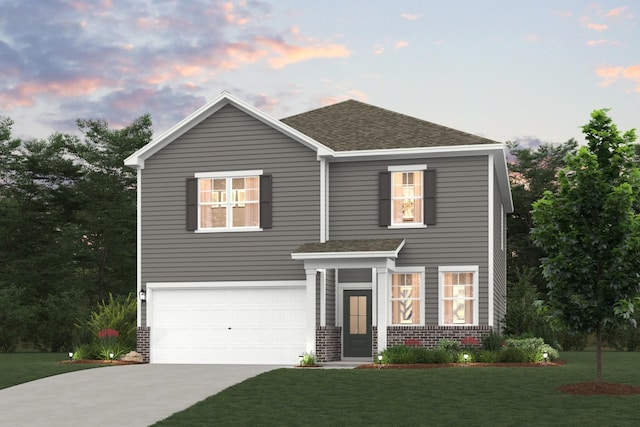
[143, 295]
[545, 356]
[300, 360]
[111, 356]
[466, 357]
[71, 355]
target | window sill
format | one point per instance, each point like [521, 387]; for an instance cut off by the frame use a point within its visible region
[400, 226]
[228, 230]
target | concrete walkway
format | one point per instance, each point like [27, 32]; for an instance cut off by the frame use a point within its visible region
[130, 395]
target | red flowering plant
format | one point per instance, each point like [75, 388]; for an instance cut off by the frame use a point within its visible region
[412, 342]
[108, 348]
[469, 342]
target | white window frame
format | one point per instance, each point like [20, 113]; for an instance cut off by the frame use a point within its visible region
[408, 270]
[228, 176]
[405, 169]
[474, 269]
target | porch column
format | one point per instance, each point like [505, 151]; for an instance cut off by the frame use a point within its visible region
[382, 276]
[311, 310]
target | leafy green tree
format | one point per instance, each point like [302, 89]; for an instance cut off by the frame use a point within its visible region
[106, 204]
[591, 233]
[532, 172]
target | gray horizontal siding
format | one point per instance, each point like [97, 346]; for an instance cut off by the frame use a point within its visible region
[228, 140]
[460, 236]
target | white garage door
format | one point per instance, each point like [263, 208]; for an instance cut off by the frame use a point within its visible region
[241, 325]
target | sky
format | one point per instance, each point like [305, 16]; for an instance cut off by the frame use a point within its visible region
[528, 70]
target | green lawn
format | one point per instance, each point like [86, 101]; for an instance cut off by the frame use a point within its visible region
[18, 368]
[452, 396]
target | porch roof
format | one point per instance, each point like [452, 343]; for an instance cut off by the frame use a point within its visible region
[349, 249]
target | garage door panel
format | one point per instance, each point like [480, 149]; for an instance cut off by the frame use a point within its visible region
[265, 325]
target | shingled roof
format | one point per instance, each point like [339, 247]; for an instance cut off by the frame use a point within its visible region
[362, 245]
[353, 125]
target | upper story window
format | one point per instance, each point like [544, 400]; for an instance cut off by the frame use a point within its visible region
[229, 201]
[407, 196]
[458, 295]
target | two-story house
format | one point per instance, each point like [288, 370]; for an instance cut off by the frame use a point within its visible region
[343, 231]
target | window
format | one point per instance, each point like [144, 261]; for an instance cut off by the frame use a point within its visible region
[406, 298]
[229, 201]
[458, 295]
[407, 196]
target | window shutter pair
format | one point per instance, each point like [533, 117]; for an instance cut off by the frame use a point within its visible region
[429, 198]
[265, 202]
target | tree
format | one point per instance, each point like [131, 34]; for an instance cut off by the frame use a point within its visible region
[591, 233]
[532, 172]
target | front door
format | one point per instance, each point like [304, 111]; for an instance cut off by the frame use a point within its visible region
[356, 332]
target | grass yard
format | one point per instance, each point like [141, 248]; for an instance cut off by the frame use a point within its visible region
[463, 396]
[18, 368]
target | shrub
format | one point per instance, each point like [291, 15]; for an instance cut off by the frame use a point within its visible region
[450, 346]
[624, 337]
[572, 341]
[487, 356]
[117, 315]
[403, 355]
[492, 341]
[309, 359]
[440, 356]
[533, 348]
[14, 318]
[85, 352]
[55, 318]
[512, 355]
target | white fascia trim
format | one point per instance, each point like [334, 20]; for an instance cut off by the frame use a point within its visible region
[139, 243]
[228, 285]
[491, 242]
[229, 174]
[324, 196]
[455, 150]
[348, 255]
[406, 168]
[138, 158]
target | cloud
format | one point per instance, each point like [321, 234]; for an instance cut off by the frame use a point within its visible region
[616, 12]
[378, 50]
[596, 42]
[597, 27]
[288, 53]
[400, 44]
[532, 38]
[613, 74]
[411, 16]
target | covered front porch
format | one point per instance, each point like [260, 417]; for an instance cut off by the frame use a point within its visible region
[347, 286]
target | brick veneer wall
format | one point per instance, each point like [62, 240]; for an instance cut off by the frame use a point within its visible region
[429, 336]
[328, 343]
[142, 335]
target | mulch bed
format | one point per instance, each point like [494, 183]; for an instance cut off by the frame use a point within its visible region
[595, 389]
[100, 362]
[460, 365]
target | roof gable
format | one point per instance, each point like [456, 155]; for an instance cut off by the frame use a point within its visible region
[353, 125]
[138, 158]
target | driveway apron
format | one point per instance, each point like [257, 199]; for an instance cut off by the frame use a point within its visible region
[131, 395]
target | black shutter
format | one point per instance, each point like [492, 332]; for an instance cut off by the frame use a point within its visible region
[430, 197]
[384, 206]
[265, 201]
[192, 204]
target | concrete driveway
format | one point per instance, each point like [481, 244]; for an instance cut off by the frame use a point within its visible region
[130, 395]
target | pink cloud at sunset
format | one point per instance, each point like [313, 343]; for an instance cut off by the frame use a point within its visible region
[26, 93]
[597, 27]
[400, 44]
[613, 74]
[411, 16]
[291, 54]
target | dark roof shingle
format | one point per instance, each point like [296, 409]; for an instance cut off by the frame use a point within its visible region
[360, 245]
[354, 125]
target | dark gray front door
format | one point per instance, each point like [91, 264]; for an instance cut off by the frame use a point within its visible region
[356, 330]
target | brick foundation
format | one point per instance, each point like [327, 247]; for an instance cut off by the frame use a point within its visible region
[142, 335]
[429, 336]
[328, 343]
